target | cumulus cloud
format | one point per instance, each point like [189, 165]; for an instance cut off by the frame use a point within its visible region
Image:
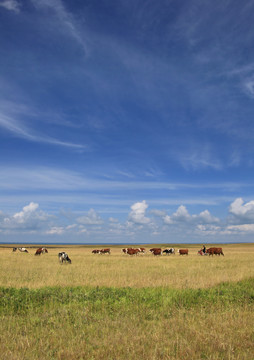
[11, 5]
[244, 212]
[182, 216]
[137, 214]
[92, 218]
[29, 219]
[26, 212]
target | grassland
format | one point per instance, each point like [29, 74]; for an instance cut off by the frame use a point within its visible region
[119, 307]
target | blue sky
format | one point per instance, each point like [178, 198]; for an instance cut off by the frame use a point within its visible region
[126, 121]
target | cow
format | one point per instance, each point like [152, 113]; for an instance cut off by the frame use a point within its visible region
[157, 252]
[96, 251]
[23, 250]
[41, 251]
[105, 251]
[124, 250]
[183, 251]
[131, 251]
[14, 249]
[142, 250]
[215, 251]
[169, 251]
[63, 257]
[153, 249]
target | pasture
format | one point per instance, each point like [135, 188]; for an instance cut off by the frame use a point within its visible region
[127, 307]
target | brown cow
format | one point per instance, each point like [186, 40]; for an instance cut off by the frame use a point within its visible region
[132, 251]
[105, 251]
[142, 250]
[96, 251]
[41, 251]
[157, 252]
[153, 249]
[215, 251]
[183, 251]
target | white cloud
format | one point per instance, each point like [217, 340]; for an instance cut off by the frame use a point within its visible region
[69, 227]
[29, 219]
[182, 216]
[68, 23]
[158, 212]
[206, 217]
[56, 230]
[27, 210]
[244, 212]
[249, 87]
[11, 5]
[92, 218]
[246, 228]
[137, 214]
[10, 120]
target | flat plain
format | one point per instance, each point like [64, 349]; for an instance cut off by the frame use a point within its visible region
[127, 307]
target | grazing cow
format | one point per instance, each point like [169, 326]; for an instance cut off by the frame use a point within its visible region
[96, 251]
[183, 251]
[142, 250]
[153, 249]
[169, 251]
[14, 249]
[63, 257]
[23, 250]
[41, 251]
[131, 251]
[105, 251]
[215, 251]
[157, 252]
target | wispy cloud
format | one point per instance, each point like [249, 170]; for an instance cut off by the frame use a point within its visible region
[11, 5]
[18, 128]
[66, 19]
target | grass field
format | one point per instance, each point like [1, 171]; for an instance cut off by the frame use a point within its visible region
[120, 307]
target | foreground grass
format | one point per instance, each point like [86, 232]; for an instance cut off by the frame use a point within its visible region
[128, 323]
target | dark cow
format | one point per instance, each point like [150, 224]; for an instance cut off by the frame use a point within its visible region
[153, 249]
[14, 249]
[132, 251]
[105, 251]
[183, 251]
[169, 251]
[215, 251]
[41, 251]
[63, 257]
[96, 251]
[157, 252]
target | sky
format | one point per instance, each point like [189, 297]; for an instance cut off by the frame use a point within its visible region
[126, 121]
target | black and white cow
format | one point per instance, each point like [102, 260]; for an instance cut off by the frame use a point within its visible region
[23, 250]
[169, 251]
[63, 257]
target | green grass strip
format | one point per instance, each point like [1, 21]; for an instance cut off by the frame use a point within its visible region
[22, 300]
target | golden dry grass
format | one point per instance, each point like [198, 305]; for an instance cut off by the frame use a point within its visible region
[119, 270]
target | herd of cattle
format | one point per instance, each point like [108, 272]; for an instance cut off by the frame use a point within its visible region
[64, 258]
